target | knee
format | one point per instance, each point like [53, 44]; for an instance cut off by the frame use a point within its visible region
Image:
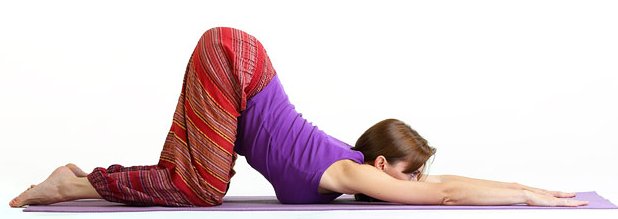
[219, 35]
[225, 29]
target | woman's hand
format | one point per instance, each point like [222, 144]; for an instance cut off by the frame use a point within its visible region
[556, 194]
[548, 199]
[533, 196]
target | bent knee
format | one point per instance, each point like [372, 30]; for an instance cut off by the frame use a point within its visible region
[219, 35]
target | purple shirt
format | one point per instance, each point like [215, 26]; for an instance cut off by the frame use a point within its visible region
[287, 149]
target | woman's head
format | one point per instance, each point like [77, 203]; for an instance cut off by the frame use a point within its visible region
[392, 146]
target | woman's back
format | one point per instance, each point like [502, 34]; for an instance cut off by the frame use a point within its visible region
[287, 149]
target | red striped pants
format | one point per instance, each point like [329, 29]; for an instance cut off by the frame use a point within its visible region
[227, 68]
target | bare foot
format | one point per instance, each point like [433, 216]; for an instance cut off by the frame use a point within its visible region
[48, 192]
[76, 170]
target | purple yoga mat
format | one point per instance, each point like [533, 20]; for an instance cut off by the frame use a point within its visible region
[270, 203]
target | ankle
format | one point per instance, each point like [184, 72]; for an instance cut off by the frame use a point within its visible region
[67, 189]
[78, 188]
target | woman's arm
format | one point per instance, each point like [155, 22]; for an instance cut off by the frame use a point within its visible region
[345, 176]
[490, 183]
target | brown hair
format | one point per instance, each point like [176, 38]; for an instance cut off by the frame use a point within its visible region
[397, 142]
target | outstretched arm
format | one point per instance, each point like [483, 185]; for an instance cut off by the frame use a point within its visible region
[349, 177]
[491, 183]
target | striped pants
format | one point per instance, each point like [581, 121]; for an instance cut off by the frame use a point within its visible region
[227, 68]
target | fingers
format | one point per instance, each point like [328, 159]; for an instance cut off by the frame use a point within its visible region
[543, 192]
[538, 199]
[572, 203]
[556, 194]
[567, 202]
[559, 194]
[539, 191]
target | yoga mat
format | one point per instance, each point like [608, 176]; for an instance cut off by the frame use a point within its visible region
[270, 203]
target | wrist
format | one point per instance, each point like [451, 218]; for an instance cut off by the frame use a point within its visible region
[526, 197]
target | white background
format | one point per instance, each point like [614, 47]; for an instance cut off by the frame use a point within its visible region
[518, 91]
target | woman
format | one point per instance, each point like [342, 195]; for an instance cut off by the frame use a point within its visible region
[232, 102]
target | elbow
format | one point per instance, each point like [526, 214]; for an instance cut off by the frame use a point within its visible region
[450, 193]
[447, 200]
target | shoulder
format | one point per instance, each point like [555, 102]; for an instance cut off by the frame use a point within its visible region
[337, 176]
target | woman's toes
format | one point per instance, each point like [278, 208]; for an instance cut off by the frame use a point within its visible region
[19, 200]
[15, 203]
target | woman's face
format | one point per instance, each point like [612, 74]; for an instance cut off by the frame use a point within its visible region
[396, 170]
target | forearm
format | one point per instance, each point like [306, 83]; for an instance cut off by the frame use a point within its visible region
[472, 193]
[498, 184]
[480, 182]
